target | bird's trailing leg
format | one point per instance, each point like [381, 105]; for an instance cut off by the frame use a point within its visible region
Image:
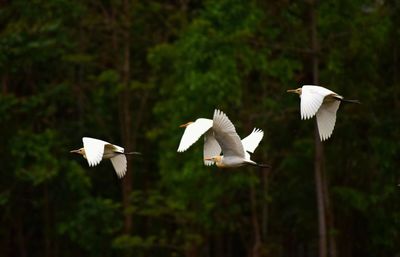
[261, 165]
[133, 153]
[350, 101]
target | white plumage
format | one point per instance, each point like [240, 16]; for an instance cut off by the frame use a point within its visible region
[120, 164]
[322, 103]
[220, 136]
[312, 98]
[226, 136]
[193, 131]
[211, 146]
[251, 142]
[95, 150]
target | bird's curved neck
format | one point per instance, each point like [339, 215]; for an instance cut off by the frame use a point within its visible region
[219, 162]
[84, 153]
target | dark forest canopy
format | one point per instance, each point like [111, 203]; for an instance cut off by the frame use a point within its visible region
[130, 72]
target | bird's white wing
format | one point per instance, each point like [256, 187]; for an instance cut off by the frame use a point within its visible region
[109, 148]
[225, 134]
[311, 100]
[326, 118]
[94, 149]
[211, 147]
[193, 132]
[119, 163]
[251, 142]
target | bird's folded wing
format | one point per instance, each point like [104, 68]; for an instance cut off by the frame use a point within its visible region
[251, 142]
[312, 98]
[326, 118]
[113, 148]
[211, 147]
[193, 132]
[119, 163]
[94, 149]
[225, 134]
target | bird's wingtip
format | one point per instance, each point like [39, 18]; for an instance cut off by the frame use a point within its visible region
[181, 149]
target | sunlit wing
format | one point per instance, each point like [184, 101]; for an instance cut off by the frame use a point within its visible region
[119, 163]
[311, 100]
[225, 134]
[94, 149]
[251, 142]
[211, 147]
[113, 148]
[326, 118]
[193, 132]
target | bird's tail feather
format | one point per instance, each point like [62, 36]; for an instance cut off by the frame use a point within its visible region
[350, 101]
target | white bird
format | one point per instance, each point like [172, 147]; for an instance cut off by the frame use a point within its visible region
[322, 102]
[220, 136]
[95, 150]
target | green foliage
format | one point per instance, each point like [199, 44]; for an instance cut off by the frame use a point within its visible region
[64, 75]
[126, 241]
[94, 222]
[34, 161]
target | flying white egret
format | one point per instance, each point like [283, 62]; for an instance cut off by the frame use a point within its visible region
[94, 150]
[220, 136]
[322, 102]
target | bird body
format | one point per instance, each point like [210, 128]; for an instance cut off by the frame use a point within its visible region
[95, 150]
[220, 136]
[232, 161]
[322, 103]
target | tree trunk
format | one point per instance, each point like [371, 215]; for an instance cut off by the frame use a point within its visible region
[320, 194]
[46, 221]
[329, 218]
[127, 142]
[319, 150]
[256, 249]
[327, 240]
[21, 242]
[264, 221]
[125, 116]
[395, 70]
[4, 84]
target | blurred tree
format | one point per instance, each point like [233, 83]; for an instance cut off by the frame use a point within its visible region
[132, 71]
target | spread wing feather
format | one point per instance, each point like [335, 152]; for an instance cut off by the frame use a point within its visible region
[251, 142]
[94, 149]
[193, 132]
[225, 134]
[119, 162]
[326, 118]
[312, 98]
[211, 147]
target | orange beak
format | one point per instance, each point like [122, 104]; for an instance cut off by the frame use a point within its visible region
[291, 90]
[185, 125]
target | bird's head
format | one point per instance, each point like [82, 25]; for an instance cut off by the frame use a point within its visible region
[186, 124]
[296, 91]
[216, 159]
[80, 151]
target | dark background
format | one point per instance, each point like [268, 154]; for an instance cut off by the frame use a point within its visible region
[131, 71]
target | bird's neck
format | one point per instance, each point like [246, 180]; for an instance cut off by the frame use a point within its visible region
[84, 153]
[219, 162]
